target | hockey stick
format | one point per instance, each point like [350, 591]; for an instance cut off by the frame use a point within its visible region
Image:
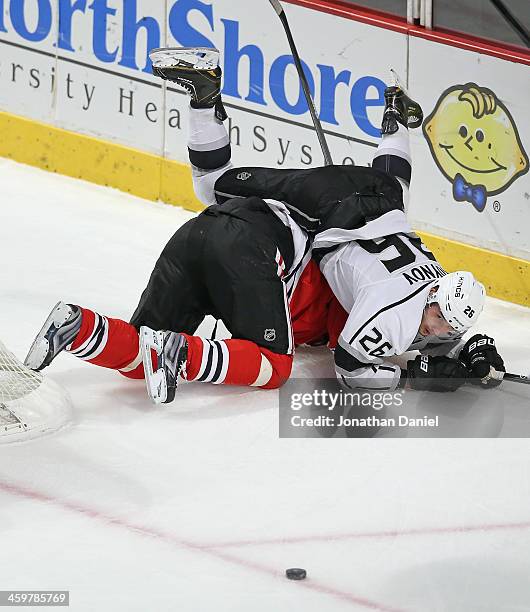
[316, 121]
[519, 378]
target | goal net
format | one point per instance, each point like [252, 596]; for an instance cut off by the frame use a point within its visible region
[30, 404]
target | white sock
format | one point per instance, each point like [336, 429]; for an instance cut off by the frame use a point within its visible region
[397, 144]
[206, 132]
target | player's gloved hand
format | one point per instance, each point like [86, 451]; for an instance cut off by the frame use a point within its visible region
[485, 365]
[440, 374]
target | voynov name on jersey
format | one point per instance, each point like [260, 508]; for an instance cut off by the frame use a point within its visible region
[424, 273]
[377, 267]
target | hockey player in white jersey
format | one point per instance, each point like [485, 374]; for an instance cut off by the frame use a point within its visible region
[397, 296]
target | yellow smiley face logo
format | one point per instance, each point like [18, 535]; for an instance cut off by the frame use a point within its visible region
[474, 142]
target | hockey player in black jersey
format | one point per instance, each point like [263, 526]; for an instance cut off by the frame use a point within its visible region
[397, 296]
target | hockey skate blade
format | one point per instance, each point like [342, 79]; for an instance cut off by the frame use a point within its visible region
[155, 380]
[38, 352]
[397, 82]
[200, 58]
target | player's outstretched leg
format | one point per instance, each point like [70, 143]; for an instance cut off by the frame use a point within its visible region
[167, 356]
[89, 336]
[393, 153]
[59, 330]
[196, 70]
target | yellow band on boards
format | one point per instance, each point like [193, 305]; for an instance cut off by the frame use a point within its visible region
[98, 161]
[505, 277]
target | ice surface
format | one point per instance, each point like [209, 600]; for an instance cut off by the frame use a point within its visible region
[198, 505]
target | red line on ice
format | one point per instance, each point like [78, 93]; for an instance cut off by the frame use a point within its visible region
[371, 535]
[170, 538]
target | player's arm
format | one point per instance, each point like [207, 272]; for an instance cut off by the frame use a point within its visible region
[357, 370]
[361, 363]
[447, 348]
[363, 348]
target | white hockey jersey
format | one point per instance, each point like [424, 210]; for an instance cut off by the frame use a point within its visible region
[381, 274]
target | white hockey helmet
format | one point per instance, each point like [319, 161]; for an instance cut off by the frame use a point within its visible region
[461, 299]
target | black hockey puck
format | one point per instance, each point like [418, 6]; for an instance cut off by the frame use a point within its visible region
[295, 573]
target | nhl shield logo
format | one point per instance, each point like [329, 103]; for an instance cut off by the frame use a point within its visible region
[270, 335]
[243, 176]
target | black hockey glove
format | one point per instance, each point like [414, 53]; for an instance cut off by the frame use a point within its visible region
[485, 365]
[440, 374]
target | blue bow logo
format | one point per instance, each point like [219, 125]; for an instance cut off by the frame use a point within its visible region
[463, 192]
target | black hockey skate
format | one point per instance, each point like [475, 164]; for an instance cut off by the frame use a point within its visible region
[194, 69]
[59, 330]
[399, 108]
[172, 353]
